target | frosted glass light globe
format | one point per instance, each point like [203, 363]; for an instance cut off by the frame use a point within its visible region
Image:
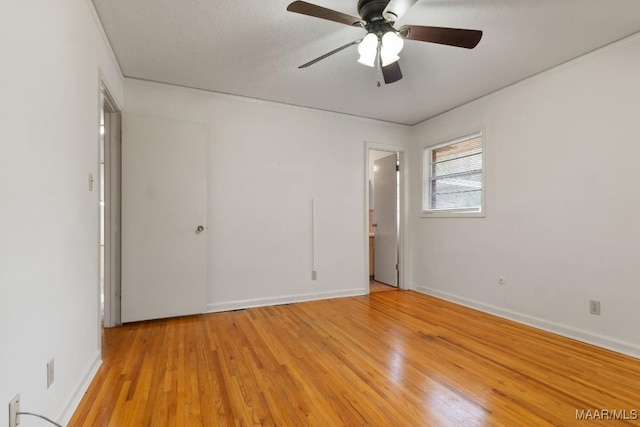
[368, 48]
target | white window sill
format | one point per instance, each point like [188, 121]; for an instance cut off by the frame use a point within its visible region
[453, 214]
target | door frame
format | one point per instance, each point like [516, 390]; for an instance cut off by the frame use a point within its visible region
[402, 217]
[113, 206]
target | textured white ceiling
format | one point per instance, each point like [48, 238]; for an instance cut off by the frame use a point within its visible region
[254, 49]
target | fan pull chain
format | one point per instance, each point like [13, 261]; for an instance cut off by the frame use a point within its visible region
[379, 61]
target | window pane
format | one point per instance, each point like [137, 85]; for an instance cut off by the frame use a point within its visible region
[469, 199]
[453, 175]
[457, 165]
[463, 148]
[471, 182]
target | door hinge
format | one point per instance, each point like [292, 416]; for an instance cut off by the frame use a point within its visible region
[398, 267]
[397, 168]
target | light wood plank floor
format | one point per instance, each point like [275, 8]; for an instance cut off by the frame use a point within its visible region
[387, 359]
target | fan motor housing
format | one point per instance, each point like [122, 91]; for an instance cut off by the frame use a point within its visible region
[371, 10]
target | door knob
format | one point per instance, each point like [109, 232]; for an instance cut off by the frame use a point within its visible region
[200, 229]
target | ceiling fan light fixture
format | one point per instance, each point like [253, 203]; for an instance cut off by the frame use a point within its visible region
[392, 43]
[380, 47]
[368, 49]
[388, 59]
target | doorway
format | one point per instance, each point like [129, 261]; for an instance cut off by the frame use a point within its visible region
[385, 216]
[110, 209]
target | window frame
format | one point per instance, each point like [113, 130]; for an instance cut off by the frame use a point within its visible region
[427, 169]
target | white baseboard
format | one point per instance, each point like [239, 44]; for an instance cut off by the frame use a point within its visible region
[287, 299]
[618, 346]
[70, 405]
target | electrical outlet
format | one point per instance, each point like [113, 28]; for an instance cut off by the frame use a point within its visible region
[51, 377]
[14, 408]
[594, 307]
[314, 275]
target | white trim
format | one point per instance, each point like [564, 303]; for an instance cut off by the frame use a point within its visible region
[112, 224]
[403, 244]
[463, 212]
[567, 331]
[286, 299]
[69, 406]
[103, 83]
[259, 101]
[103, 34]
[313, 237]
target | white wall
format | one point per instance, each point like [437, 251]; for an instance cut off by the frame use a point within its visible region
[562, 202]
[266, 162]
[49, 118]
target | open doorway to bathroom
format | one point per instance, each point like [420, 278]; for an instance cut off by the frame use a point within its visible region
[384, 181]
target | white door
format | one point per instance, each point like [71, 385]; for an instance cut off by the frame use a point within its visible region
[385, 218]
[164, 202]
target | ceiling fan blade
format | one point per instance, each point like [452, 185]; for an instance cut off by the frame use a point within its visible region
[449, 36]
[320, 58]
[396, 8]
[323, 13]
[392, 73]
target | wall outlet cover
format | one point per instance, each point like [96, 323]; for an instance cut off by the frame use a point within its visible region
[594, 307]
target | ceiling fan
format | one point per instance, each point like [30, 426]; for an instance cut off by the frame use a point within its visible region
[382, 43]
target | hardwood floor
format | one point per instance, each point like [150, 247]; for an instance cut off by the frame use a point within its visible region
[387, 359]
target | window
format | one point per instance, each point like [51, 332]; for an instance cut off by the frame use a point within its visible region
[453, 177]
